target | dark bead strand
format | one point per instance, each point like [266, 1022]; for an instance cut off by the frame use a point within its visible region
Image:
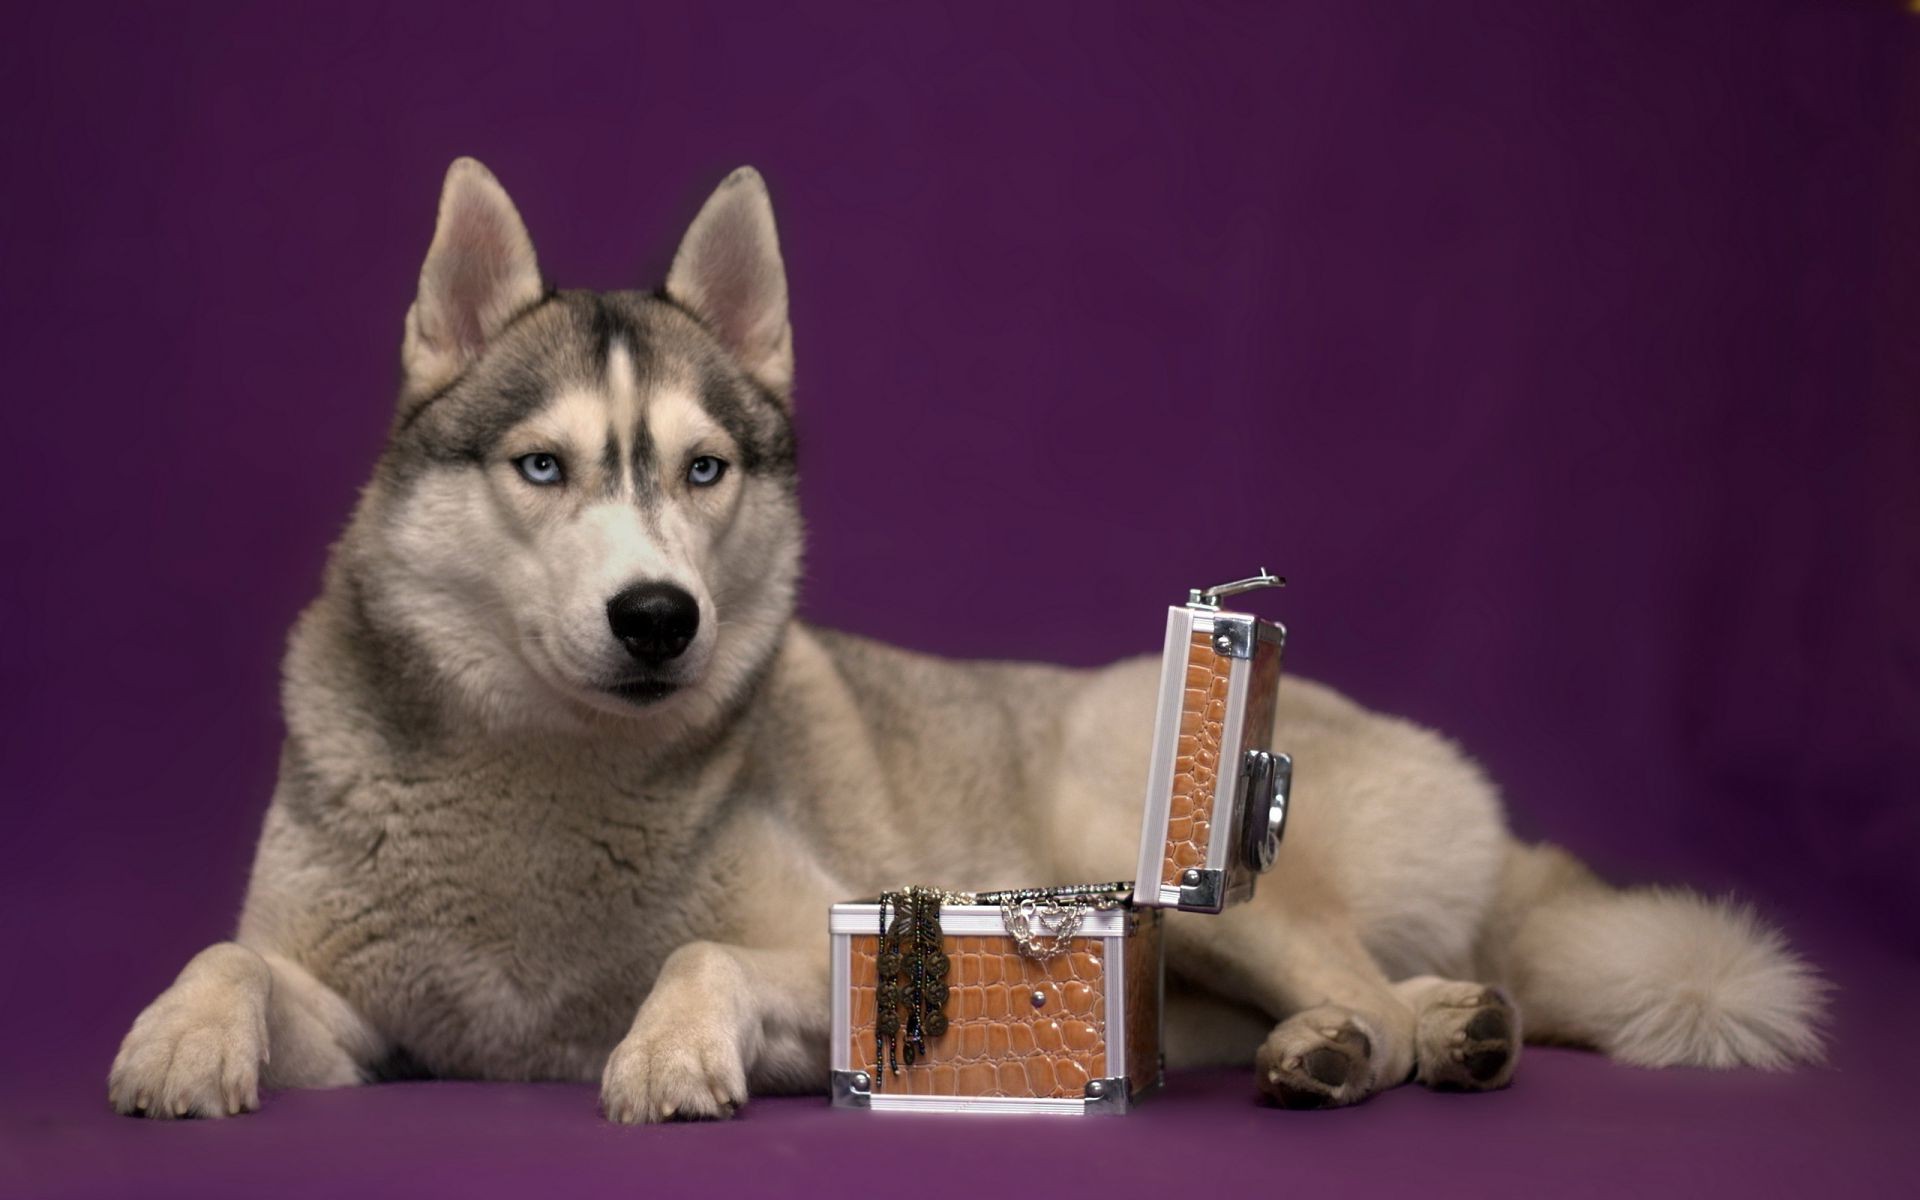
[929, 997]
[916, 987]
[880, 999]
[901, 910]
[929, 908]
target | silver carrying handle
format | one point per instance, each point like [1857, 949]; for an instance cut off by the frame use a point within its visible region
[1210, 597]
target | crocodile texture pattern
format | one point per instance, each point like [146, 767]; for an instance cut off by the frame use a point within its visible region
[998, 1043]
[1142, 988]
[1196, 763]
[1263, 696]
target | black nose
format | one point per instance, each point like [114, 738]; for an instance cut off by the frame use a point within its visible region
[654, 621]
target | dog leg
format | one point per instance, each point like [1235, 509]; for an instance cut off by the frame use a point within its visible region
[202, 1048]
[717, 1016]
[1345, 1033]
[1468, 1034]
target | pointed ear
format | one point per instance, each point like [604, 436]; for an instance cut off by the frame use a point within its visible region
[728, 271]
[480, 273]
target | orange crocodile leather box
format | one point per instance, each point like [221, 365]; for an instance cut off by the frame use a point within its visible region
[1075, 1033]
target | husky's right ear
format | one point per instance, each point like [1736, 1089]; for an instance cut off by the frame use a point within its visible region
[480, 273]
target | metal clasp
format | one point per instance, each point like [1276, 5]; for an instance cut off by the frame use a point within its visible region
[1268, 778]
[1210, 597]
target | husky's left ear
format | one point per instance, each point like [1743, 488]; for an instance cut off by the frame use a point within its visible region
[728, 272]
[480, 273]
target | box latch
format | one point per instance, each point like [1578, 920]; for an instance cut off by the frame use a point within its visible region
[1268, 779]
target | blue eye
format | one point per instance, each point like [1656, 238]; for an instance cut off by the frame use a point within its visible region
[706, 471]
[541, 470]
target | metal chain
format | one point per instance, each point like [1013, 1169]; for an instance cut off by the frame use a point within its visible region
[1098, 895]
[1041, 921]
[1057, 923]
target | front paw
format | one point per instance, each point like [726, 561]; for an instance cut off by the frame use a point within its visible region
[194, 1052]
[674, 1070]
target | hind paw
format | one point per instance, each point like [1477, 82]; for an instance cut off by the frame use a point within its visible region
[1468, 1039]
[1320, 1058]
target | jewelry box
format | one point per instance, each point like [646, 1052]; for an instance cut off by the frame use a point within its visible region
[1040, 1001]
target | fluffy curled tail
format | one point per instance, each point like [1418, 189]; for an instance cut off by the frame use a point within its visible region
[1651, 976]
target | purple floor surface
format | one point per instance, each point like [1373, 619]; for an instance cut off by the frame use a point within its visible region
[1572, 1124]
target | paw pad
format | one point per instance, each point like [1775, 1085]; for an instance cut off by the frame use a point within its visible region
[1468, 1042]
[1305, 1066]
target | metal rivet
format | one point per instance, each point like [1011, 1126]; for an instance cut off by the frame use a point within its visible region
[1191, 877]
[861, 1081]
[1096, 1088]
[1039, 999]
[1223, 643]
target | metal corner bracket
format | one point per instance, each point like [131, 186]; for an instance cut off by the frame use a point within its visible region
[1107, 1097]
[1203, 889]
[852, 1089]
[1234, 635]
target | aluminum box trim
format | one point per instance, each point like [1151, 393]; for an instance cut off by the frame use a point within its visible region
[1181, 623]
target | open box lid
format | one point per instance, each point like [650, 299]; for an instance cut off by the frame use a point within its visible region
[1217, 791]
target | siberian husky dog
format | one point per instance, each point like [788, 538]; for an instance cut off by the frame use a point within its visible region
[567, 790]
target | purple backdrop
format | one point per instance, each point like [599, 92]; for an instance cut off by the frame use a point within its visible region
[1564, 356]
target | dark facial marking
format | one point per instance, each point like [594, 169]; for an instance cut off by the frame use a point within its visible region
[757, 424]
[610, 463]
[606, 320]
[466, 426]
[646, 473]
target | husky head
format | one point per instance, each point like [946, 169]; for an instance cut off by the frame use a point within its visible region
[586, 509]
